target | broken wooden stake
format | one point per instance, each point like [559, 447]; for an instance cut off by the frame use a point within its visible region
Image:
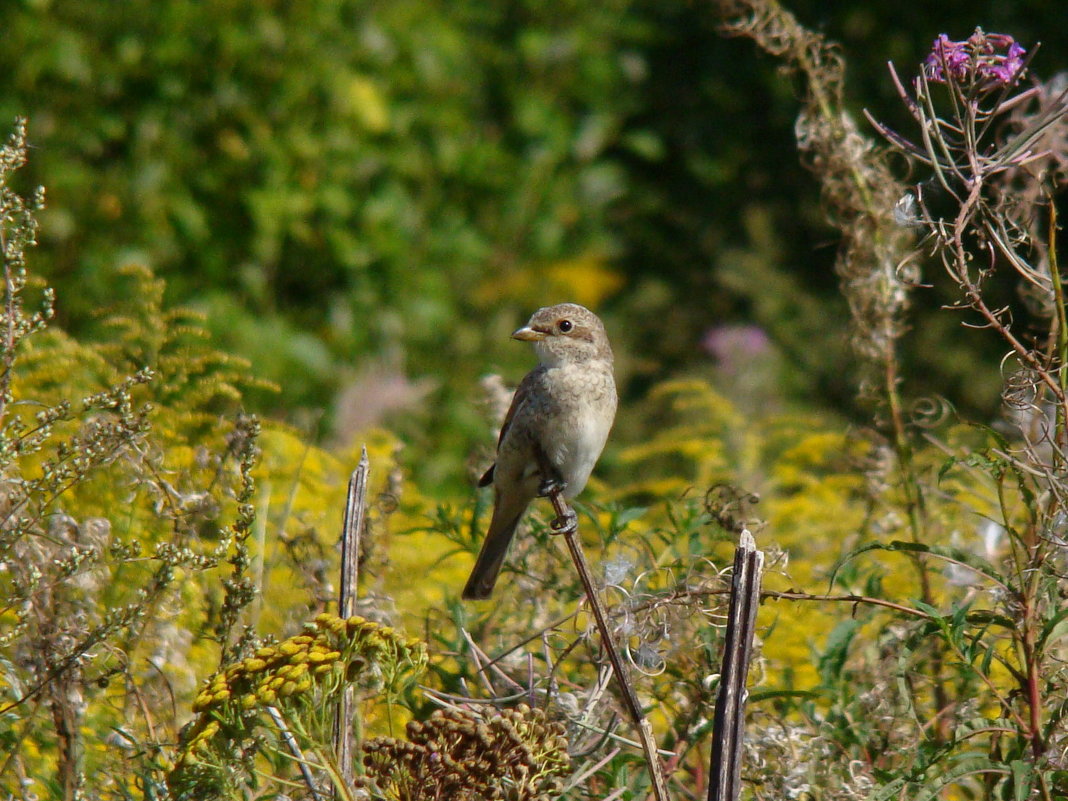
[728, 727]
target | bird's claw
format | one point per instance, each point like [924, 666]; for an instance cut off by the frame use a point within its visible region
[565, 524]
[551, 485]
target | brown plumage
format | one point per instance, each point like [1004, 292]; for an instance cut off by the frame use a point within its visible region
[555, 428]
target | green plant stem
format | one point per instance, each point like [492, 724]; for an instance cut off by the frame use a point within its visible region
[1033, 683]
[917, 515]
[1027, 559]
[1031, 624]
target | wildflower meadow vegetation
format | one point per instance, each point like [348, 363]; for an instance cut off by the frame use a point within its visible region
[169, 562]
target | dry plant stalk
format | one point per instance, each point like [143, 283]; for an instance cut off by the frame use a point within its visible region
[566, 525]
[352, 529]
[728, 732]
[876, 261]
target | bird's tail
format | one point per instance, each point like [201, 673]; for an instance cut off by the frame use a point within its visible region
[491, 557]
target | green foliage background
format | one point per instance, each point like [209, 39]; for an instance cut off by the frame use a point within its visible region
[352, 189]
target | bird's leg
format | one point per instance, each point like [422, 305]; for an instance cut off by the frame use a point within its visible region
[549, 486]
[552, 487]
[550, 481]
[566, 521]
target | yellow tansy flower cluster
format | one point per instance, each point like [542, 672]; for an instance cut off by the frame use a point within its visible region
[332, 652]
[334, 646]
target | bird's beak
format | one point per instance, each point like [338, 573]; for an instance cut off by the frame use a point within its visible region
[528, 334]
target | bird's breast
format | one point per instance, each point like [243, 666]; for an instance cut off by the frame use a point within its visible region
[577, 425]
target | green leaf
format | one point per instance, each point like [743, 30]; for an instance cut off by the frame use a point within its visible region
[1050, 631]
[889, 791]
[1023, 779]
[976, 765]
[837, 650]
[629, 515]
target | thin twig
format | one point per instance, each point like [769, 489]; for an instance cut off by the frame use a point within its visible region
[485, 664]
[630, 699]
[294, 748]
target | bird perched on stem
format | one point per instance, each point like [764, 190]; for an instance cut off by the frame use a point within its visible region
[555, 428]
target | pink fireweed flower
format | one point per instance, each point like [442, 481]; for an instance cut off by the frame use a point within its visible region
[991, 60]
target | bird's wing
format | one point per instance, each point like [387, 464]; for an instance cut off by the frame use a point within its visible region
[522, 392]
[518, 399]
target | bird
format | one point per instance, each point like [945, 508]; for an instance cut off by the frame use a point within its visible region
[555, 428]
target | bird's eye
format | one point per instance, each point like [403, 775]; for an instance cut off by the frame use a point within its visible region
[564, 326]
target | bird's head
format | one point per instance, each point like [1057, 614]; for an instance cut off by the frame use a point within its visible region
[566, 333]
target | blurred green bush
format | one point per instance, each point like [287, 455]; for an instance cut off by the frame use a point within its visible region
[361, 192]
[342, 184]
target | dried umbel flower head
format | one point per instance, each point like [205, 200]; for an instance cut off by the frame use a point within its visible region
[515, 754]
[987, 60]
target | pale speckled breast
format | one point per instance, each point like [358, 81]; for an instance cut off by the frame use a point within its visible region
[577, 419]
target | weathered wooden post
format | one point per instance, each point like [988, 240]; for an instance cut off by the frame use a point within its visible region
[352, 528]
[728, 727]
